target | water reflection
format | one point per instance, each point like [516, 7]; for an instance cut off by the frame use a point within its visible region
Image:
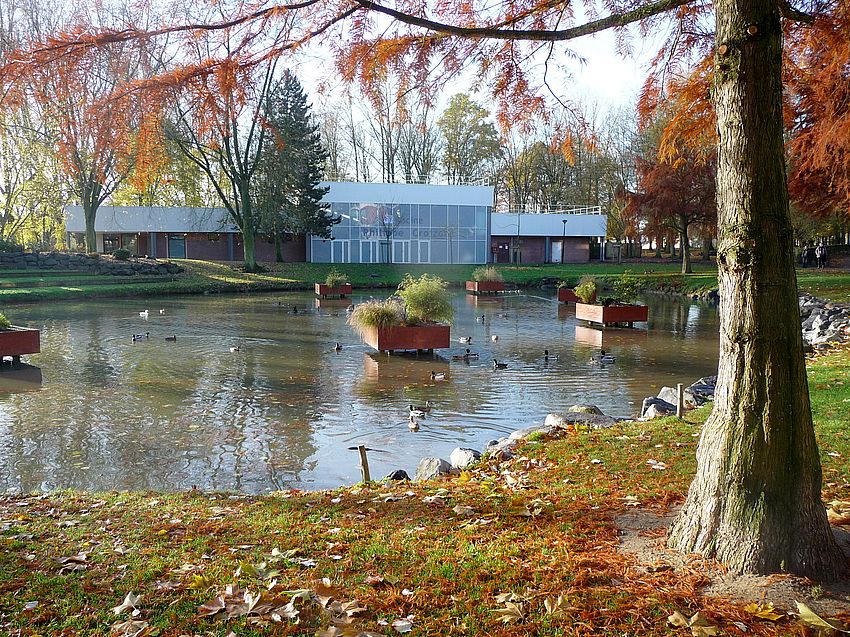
[280, 412]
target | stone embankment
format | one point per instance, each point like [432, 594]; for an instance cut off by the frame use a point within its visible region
[92, 263]
[824, 322]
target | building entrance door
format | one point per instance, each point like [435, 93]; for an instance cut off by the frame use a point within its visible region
[401, 251]
[556, 252]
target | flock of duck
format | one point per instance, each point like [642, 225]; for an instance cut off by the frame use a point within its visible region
[602, 358]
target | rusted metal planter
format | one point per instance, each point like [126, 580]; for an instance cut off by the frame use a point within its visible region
[485, 287]
[408, 337]
[325, 291]
[16, 341]
[612, 314]
[567, 295]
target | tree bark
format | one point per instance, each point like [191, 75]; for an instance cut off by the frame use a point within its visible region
[706, 249]
[90, 213]
[755, 502]
[250, 260]
[278, 251]
[686, 248]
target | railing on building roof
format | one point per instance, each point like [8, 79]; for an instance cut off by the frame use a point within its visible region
[566, 210]
[431, 180]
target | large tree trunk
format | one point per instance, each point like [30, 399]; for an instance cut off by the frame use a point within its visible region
[90, 214]
[706, 248]
[250, 260]
[686, 248]
[755, 502]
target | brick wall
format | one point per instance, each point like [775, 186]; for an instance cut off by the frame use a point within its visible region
[200, 245]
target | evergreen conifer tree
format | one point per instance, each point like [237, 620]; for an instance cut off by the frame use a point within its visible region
[287, 189]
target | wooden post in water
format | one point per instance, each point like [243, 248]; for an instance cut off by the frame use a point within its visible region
[680, 400]
[364, 464]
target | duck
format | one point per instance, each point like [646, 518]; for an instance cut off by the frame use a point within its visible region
[503, 316]
[602, 357]
[235, 349]
[480, 319]
[494, 338]
[161, 312]
[550, 357]
[498, 365]
[350, 309]
[337, 347]
[144, 313]
[412, 424]
[416, 412]
[172, 338]
[139, 337]
[438, 376]
[470, 356]
[295, 309]
[465, 339]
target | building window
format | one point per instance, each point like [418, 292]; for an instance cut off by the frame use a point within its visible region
[213, 236]
[111, 242]
[176, 246]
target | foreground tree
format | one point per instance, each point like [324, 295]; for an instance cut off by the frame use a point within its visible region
[755, 502]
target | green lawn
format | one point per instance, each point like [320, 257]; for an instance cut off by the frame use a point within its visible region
[227, 277]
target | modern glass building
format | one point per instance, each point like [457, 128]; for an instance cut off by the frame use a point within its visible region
[406, 223]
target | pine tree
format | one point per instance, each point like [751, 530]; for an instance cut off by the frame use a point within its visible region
[287, 191]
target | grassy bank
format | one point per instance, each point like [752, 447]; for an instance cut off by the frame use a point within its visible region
[204, 276]
[522, 547]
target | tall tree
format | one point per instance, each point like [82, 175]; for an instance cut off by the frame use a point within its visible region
[470, 141]
[287, 186]
[676, 193]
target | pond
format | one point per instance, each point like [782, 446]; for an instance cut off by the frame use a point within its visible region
[107, 413]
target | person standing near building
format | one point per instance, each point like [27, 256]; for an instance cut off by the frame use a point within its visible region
[820, 253]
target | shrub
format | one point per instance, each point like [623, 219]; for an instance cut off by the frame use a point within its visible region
[5, 323]
[426, 299]
[586, 289]
[487, 273]
[334, 279]
[121, 254]
[10, 246]
[627, 286]
[374, 314]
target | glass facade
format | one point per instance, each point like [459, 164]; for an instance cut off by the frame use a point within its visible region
[404, 233]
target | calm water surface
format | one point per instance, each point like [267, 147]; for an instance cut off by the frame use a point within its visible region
[112, 414]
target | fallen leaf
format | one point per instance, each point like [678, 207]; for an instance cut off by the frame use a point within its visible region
[554, 606]
[212, 607]
[809, 617]
[464, 511]
[130, 628]
[403, 625]
[511, 613]
[131, 602]
[764, 611]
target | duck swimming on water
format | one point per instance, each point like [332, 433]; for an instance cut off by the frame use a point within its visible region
[498, 365]
[438, 376]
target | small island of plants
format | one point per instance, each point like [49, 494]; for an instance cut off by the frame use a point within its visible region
[16, 341]
[336, 284]
[416, 318]
[485, 280]
[585, 291]
[617, 310]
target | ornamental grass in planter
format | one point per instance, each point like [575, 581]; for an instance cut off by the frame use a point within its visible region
[415, 319]
[613, 311]
[571, 295]
[486, 280]
[336, 284]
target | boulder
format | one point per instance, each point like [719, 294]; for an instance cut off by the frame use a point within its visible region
[461, 457]
[398, 474]
[431, 468]
[555, 421]
[661, 407]
[586, 409]
[655, 411]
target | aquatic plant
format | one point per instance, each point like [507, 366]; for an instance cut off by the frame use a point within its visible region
[487, 273]
[376, 314]
[426, 299]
